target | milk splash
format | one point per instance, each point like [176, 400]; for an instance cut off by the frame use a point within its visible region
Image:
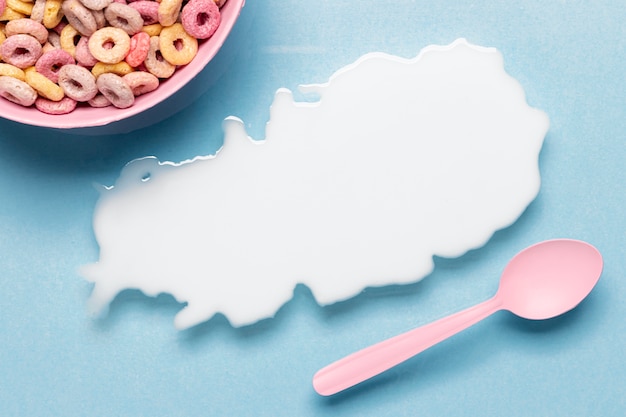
[399, 160]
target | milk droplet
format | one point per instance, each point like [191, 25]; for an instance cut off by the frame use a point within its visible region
[399, 160]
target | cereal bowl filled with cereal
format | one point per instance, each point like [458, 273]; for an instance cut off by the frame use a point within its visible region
[72, 64]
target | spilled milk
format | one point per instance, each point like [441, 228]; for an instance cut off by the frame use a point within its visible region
[398, 160]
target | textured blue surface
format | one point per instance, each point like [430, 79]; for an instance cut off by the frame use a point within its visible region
[56, 361]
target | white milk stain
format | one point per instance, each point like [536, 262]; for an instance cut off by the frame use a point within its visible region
[399, 160]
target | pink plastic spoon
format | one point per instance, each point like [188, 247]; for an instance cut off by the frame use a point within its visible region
[541, 282]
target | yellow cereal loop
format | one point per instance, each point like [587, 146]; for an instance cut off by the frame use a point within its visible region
[68, 39]
[177, 46]
[20, 6]
[168, 11]
[10, 14]
[3, 37]
[153, 30]
[43, 85]
[11, 71]
[52, 13]
[121, 69]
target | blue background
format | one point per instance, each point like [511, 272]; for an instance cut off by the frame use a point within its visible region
[57, 361]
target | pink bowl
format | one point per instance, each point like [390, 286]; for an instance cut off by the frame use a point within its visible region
[84, 118]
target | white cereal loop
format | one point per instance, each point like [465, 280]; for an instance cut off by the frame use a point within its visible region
[79, 17]
[124, 17]
[77, 82]
[114, 88]
[96, 4]
[155, 63]
[17, 91]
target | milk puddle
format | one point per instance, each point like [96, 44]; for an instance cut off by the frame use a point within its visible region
[399, 160]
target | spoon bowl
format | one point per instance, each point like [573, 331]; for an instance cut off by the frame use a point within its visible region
[549, 278]
[542, 281]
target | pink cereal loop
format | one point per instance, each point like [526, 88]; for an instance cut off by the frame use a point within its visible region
[3, 6]
[100, 41]
[17, 91]
[148, 9]
[64, 106]
[99, 101]
[21, 50]
[114, 88]
[124, 17]
[51, 62]
[200, 18]
[141, 82]
[27, 26]
[139, 47]
[83, 55]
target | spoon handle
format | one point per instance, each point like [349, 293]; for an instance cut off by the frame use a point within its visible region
[373, 360]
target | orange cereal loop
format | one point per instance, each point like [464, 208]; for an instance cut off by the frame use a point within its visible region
[43, 85]
[69, 38]
[177, 46]
[121, 68]
[153, 30]
[11, 71]
[169, 11]
[10, 14]
[20, 6]
[52, 14]
[109, 45]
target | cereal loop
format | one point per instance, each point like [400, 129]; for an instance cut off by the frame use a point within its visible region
[177, 46]
[23, 7]
[80, 17]
[39, 8]
[27, 27]
[96, 4]
[68, 39]
[114, 88]
[83, 55]
[43, 85]
[11, 71]
[141, 82]
[63, 106]
[155, 63]
[99, 101]
[200, 18]
[17, 91]
[51, 62]
[21, 50]
[148, 10]
[3, 6]
[115, 38]
[52, 14]
[124, 17]
[10, 14]
[139, 47]
[153, 30]
[121, 68]
[77, 82]
[168, 11]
